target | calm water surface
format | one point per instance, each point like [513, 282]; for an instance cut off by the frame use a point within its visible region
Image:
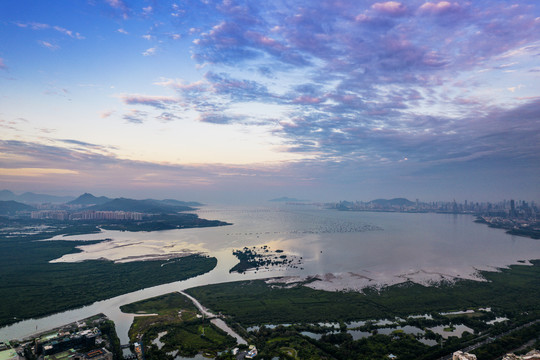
[350, 250]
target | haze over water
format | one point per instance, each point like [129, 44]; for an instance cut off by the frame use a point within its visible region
[349, 250]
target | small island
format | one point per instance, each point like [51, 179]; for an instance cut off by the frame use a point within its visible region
[262, 257]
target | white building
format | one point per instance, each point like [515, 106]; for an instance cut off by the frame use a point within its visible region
[460, 355]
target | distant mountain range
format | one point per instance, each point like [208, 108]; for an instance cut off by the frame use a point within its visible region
[392, 202]
[32, 198]
[89, 199]
[11, 207]
[104, 203]
[144, 206]
[11, 203]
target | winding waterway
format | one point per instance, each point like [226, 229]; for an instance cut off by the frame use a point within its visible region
[348, 250]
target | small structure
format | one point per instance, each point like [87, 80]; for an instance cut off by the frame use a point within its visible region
[460, 355]
[252, 352]
[531, 355]
[98, 354]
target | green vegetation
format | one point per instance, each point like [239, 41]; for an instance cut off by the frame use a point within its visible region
[30, 286]
[108, 330]
[256, 257]
[8, 207]
[287, 343]
[508, 343]
[188, 338]
[177, 326]
[161, 222]
[532, 233]
[512, 291]
[144, 206]
[161, 305]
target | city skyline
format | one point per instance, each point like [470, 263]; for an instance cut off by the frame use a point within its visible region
[238, 101]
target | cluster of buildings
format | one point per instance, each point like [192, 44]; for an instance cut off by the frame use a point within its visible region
[506, 208]
[71, 354]
[80, 340]
[531, 355]
[460, 355]
[86, 215]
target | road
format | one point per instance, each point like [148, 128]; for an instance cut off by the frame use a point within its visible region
[214, 319]
[488, 340]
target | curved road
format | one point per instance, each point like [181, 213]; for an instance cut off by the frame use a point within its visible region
[214, 319]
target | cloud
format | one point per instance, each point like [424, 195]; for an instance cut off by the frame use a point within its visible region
[37, 26]
[441, 8]
[92, 170]
[135, 116]
[149, 52]
[147, 10]
[41, 26]
[392, 8]
[48, 45]
[69, 33]
[220, 118]
[120, 6]
[106, 114]
[158, 102]
[35, 172]
[2, 64]
[122, 31]
[167, 116]
[85, 146]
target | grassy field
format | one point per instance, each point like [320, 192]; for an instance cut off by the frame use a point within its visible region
[161, 305]
[511, 291]
[180, 328]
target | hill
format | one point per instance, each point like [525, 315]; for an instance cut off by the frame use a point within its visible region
[179, 203]
[89, 199]
[392, 202]
[6, 195]
[11, 207]
[143, 206]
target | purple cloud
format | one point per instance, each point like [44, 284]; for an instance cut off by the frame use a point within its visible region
[158, 102]
[391, 8]
[135, 116]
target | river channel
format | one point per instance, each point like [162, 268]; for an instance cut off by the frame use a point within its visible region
[348, 250]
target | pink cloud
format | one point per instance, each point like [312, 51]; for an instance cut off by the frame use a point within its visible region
[306, 100]
[439, 8]
[393, 8]
[2, 65]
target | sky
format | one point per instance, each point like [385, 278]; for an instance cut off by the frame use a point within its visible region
[235, 101]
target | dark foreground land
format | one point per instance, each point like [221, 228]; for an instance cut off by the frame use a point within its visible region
[511, 293]
[179, 327]
[30, 286]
